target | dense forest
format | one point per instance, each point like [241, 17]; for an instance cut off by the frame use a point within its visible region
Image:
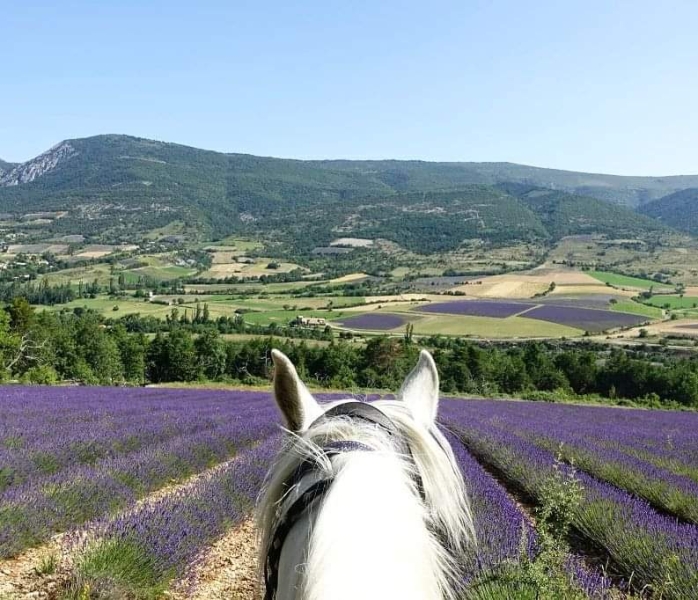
[81, 346]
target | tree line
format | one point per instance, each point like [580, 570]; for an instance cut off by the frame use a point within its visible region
[82, 346]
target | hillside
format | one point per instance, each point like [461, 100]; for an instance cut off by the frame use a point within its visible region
[116, 188]
[425, 222]
[678, 210]
[571, 214]
[6, 166]
[628, 191]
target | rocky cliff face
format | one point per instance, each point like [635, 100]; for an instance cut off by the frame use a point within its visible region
[36, 167]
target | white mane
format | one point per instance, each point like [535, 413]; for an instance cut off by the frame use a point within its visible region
[373, 535]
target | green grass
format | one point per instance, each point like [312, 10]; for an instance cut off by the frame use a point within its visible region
[257, 288]
[489, 327]
[105, 306]
[74, 275]
[673, 302]
[117, 569]
[164, 272]
[239, 244]
[629, 306]
[625, 281]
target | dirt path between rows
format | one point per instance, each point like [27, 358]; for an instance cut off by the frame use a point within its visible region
[227, 570]
[20, 577]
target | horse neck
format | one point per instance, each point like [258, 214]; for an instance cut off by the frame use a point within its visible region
[368, 540]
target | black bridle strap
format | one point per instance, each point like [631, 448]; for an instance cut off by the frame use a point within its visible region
[362, 411]
[283, 527]
[310, 463]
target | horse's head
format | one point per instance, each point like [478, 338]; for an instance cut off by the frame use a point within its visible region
[387, 448]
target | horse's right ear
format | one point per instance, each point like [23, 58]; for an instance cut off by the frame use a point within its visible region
[297, 404]
[420, 391]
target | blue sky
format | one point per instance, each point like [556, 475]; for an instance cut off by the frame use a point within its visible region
[605, 86]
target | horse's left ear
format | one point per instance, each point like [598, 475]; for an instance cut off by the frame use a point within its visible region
[297, 404]
[421, 390]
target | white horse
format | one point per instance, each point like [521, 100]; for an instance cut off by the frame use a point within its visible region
[365, 500]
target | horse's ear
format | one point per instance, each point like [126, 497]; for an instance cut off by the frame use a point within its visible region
[297, 404]
[421, 390]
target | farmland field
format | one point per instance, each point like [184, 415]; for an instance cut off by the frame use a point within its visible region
[673, 302]
[105, 466]
[478, 308]
[588, 319]
[374, 321]
[625, 280]
[492, 327]
[629, 306]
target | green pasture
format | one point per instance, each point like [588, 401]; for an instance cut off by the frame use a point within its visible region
[251, 288]
[105, 306]
[624, 280]
[239, 243]
[490, 327]
[673, 302]
[172, 228]
[629, 306]
[101, 272]
[164, 272]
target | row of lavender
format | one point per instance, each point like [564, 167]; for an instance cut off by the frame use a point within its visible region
[147, 439]
[169, 536]
[505, 535]
[46, 430]
[654, 457]
[655, 550]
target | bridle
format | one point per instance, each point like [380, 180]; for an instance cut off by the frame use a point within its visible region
[360, 411]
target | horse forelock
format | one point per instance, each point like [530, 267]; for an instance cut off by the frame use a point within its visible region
[442, 501]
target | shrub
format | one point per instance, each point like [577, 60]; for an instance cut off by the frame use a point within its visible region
[42, 375]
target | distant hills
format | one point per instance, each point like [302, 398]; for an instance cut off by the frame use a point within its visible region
[115, 187]
[678, 210]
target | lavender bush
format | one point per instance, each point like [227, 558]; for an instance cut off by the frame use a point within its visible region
[33, 511]
[655, 550]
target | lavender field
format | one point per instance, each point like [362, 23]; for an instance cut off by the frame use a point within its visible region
[587, 319]
[478, 308]
[98, 463]
[374, 321]
[584, 314]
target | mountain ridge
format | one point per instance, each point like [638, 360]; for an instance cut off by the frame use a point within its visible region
[623, 189]
[116, 188]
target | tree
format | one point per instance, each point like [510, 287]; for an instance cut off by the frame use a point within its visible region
[172, 357]
[21, 315]
[211, 355]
